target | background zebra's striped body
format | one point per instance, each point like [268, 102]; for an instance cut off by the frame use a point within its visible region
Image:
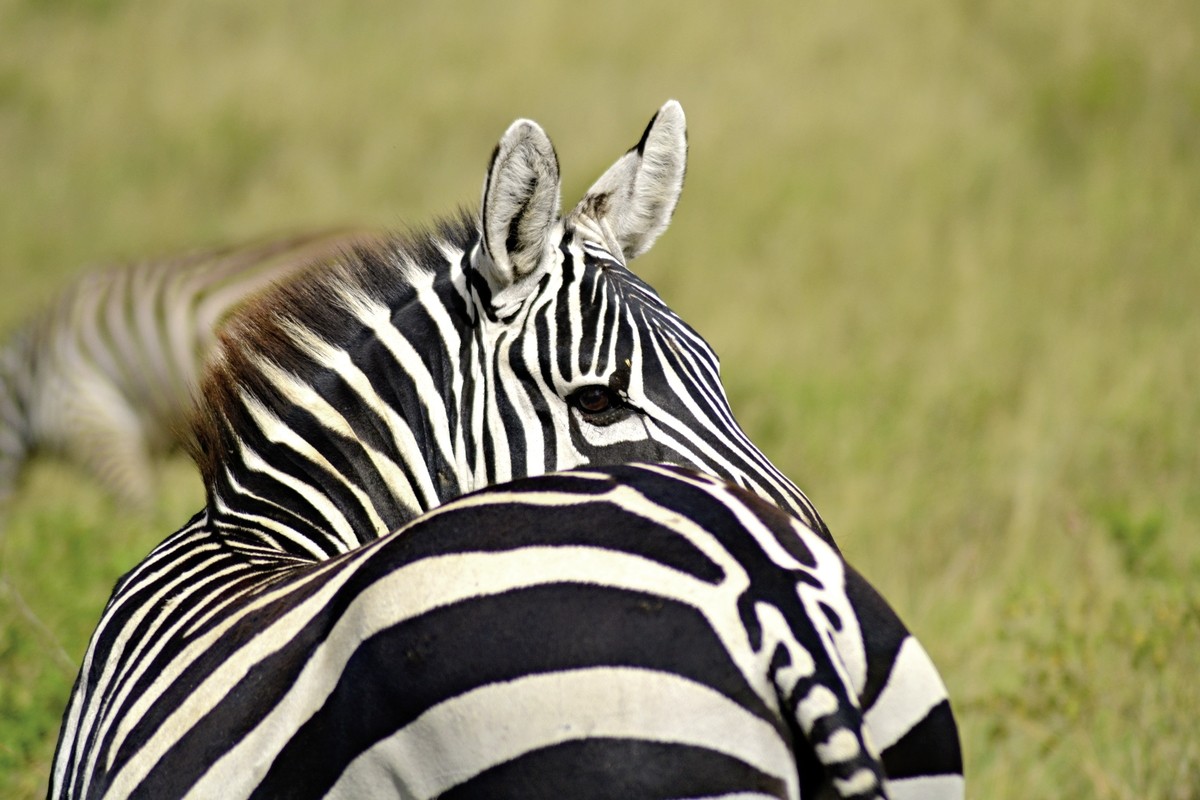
[282, 640]
[106, 375]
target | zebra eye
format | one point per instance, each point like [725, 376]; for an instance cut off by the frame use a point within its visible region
[595, 399]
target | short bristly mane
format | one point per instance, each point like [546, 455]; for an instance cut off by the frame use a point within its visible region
[315, 301]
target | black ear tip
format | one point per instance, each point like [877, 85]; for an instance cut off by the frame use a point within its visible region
[641, 145]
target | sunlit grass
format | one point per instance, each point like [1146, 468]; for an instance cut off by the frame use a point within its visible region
[948, 252]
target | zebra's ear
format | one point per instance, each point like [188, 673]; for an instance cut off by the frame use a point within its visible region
[634, 200]
[520, 204]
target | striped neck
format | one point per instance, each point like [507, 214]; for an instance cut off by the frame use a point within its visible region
[338, 408]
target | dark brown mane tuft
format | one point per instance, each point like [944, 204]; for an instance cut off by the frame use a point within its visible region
[370, 265]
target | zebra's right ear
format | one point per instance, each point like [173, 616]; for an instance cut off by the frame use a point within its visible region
[520, 205]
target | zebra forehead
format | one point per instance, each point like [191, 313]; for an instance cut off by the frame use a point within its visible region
[640, 304]
[604, 310]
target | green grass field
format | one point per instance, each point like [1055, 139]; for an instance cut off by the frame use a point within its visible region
[949, 252]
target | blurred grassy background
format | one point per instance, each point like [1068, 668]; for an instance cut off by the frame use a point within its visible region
[947, 250]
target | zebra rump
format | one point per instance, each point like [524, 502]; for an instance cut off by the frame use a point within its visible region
[610, 632]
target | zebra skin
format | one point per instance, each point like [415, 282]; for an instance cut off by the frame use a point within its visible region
[106, 374]
[346, 618]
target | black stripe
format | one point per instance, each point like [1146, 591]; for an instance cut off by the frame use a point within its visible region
[350, 464]
[487, 189]
[345, 455]
[195, 606]
[499, 527]
[547, 314]
[882, 631]
[188, 769]
[404, 671]
[641, 145]
[931, 747]
[590, 294]
[513, 242]
[290, 508]
[286, 506]
[490, 392]
[615, 769]
[527, 383]
[195, 750]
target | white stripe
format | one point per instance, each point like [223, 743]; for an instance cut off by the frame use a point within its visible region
[436, 308]
[928, 787]
[301, 393]
[860, 782]
[532, 428]
[844, 645]
[194, 597]
[496, 359]
[431, 583]
[913, 689]
[379, 319]
[126, 650]
[81, 715]
[841, 746]
[237, 664]
[724, 432]
[262, 527]
[466, 735]
[819, 702]
[274, 429]
[601, 312]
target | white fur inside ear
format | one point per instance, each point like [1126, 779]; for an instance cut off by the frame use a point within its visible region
[636, 197]
[520, 204]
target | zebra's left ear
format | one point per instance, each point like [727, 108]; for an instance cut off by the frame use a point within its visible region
[520, 204]
[634, 200]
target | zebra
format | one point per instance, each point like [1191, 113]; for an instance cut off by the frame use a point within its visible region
[367, 430]
[105, 374]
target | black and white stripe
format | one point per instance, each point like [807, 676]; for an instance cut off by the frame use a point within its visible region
[631, 631]
[106, 374]
[619, 632]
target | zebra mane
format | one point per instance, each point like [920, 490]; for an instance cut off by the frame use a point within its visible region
[315, 301]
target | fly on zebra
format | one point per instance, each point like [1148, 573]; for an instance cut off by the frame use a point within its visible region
[393, 589]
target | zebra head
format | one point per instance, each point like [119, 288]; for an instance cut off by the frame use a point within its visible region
[583, 345]
[514, 343]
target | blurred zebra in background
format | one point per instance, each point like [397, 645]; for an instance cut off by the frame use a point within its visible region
[107, 373]
[345, 618]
